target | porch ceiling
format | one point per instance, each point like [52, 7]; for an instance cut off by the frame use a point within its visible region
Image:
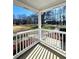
[38, 5]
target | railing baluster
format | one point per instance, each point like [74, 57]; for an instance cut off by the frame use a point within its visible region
[23, 40]
[28, 40]
[65, 43]
[26, 43]
[50, 38]
[54, 35]
[59, 41]
[20, 41]
[16, 44]
[53, 38]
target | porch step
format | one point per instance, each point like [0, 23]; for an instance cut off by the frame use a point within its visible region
[40, 52]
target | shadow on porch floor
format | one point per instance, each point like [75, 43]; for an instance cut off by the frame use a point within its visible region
[39, 51]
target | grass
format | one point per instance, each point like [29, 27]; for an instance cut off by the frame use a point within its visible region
[18, 28]
[49, 26]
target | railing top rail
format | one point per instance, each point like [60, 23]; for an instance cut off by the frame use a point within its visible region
[54, 31]
[25, 32]
[38, 29]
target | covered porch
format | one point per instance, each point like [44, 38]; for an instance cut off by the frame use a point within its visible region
[39, 43]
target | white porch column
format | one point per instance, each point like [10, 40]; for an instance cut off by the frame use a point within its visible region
[39, 24]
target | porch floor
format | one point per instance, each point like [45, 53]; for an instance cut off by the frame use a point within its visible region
[40, 51]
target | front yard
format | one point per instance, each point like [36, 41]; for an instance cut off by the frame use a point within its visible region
[18, 28]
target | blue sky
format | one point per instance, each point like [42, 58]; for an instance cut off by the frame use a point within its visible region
[20, 11]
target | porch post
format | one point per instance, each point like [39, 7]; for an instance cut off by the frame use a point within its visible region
[39, 24]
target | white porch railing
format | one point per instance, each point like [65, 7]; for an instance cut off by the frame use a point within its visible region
[23, 41]
[55, 39]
